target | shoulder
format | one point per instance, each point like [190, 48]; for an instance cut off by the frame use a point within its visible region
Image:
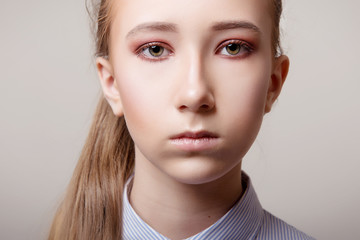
[275, 228]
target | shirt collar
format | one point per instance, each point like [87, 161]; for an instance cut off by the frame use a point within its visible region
[242, 221]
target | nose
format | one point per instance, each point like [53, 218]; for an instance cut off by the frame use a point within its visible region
[195, 93]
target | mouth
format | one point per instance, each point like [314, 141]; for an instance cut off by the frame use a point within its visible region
[195, 141]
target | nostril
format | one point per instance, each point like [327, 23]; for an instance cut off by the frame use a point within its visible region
[204, 106]
[182, 107]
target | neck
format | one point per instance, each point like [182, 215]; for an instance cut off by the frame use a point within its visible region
[178, 210]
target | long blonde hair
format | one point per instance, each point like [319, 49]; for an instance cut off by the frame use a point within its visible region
[92, 208]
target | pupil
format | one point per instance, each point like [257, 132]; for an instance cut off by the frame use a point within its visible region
[156, 50]
[233, 48]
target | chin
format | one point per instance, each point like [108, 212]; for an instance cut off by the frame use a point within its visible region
[197, 172]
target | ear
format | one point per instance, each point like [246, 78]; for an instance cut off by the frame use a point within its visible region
[109, 85]
[278, 76]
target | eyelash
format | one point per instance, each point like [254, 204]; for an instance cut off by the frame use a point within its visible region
[140, 51]
[248, 48]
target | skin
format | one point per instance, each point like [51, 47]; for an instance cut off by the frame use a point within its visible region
[194, 85]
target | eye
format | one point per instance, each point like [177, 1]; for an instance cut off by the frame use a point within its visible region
[234, 48]
[156, 51]
[153, 51]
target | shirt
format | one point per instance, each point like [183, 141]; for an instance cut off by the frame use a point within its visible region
[245, 220]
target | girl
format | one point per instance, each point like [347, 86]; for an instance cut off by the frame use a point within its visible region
[186, 85]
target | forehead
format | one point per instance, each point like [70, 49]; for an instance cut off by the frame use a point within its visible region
[193, 15]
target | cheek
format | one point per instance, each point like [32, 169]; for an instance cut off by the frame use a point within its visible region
[142, 97]
[132, 99]
[244, 88]
[243, 98]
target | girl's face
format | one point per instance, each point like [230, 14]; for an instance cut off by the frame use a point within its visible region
[193, 80]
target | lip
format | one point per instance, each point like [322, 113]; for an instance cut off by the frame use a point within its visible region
[195, 141]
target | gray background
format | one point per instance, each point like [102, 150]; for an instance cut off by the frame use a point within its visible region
[305, 163]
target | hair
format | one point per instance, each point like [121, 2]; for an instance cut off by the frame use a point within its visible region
[92, 207]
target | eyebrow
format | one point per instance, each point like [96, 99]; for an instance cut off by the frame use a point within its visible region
[153, 26]
[171, 27]
[226, 25]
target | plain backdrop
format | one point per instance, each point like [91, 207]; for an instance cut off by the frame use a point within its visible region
[305, 163]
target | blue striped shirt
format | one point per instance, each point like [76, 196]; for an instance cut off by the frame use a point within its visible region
[245, 220]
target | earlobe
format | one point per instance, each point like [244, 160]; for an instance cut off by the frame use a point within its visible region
[278, 77]
[109, 85]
